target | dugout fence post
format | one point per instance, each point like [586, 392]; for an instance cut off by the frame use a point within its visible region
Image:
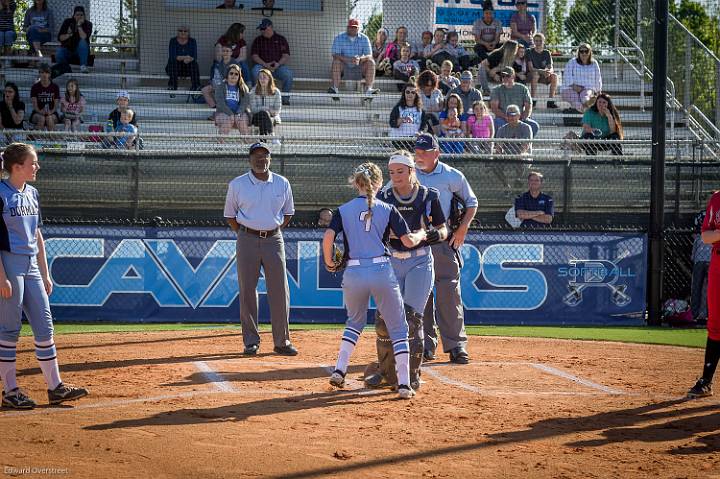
[657, 172]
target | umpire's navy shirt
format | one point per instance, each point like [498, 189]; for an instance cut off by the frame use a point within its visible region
[259, 205]
[542, 203]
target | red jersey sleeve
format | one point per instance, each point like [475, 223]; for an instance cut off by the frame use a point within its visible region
[712, 213]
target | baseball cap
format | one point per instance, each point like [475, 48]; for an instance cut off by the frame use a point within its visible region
[426, 142]
[507, 71]
[258, 145]
[122, 94]
[466, 75]
[264, 24]
[512, 110]
[402, 160]
[353, 22]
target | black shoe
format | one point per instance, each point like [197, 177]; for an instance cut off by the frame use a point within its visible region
[65, 392]
[288, 350]
[551, 104]
[334, 91]
[428, 355]
[374, 380]
[285, 100]
[16, 399]
[701, 389]
[458, 355]
[251, 349]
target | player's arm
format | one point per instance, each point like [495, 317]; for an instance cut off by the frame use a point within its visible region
[42, 263]
[327, 247]
[710, 236]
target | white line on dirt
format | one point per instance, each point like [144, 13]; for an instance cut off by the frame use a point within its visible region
[214, 378]
[573, 378]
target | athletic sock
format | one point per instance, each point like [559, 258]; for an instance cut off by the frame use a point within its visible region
[47, 357]
[401, 348]
[350, 338]
[7, 365]
[712, 355]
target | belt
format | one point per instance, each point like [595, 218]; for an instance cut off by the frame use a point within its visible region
[411, 253]
[262, 234]
[375, 260]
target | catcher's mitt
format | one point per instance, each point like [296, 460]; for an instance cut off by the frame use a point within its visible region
[339, 261]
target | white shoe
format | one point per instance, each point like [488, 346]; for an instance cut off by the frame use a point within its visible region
[372, 91]
[405, 392]
[84, 69]
[337, 379]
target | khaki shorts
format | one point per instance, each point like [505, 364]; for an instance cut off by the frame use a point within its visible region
[544, 77]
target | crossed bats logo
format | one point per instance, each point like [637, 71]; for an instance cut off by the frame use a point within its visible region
[589, 273]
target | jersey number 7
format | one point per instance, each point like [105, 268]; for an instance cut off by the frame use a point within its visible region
[366, 218]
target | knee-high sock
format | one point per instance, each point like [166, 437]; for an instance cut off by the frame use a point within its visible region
[712, 355]
[7, 365]
[47, 357]
[401, 348]
[347, 346]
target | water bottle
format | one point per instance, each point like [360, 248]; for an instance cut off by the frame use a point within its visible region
[109, 126]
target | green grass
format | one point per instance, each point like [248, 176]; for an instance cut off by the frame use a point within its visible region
[694, 338]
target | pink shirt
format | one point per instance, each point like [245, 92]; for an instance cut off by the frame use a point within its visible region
[480, 129]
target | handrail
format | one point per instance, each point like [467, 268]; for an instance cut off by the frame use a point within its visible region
[697, 110]
[690, 34]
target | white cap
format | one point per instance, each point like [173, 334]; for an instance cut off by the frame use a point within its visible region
[402, 160]
[123, 94]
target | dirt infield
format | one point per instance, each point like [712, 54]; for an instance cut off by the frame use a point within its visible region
[188, 404]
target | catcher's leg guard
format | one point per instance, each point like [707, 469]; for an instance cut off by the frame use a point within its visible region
[386, 355]
[416, 338]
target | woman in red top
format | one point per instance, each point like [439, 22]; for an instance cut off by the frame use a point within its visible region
[711, 235]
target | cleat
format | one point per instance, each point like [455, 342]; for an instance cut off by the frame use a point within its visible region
[405, 392]
[251, 349]
[700, 390]
[428, 355]
[65, 392]
[458, 355]
[287, 350]
[337, 379]
[16, 399]
[374, 380]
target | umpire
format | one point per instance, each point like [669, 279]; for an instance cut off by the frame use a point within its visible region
[258, 205]
[445, 305]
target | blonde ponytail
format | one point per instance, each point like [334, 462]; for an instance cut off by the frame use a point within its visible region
[368, 180]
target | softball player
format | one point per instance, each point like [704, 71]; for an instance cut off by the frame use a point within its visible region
[420, 207]
[366, 224]
[711, 235]
[24, 281]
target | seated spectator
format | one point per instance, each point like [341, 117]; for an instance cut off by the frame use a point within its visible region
[522, 25]
[534, 207]
[447, 81]
[234, 38]
[227, 5]
[419, 48]
[514, 129]
[467, 93]
[451, 126]
[74, 37]
[45, 97]
[540, 66]
[431, 97]
[123, 104]
[487, 31]
[218, 72]
[581, 80]
[127, 130]
[497, 60]
[7, 25]
[480, 125]
[182, 60]
[511, 93]
[265, 103]
[452, 51]
[520, 65]
[408, 117]
[270, 50]
[324, 217]
[38, 25]
[352, 58]
[453, 102]
[437, 46]
[12, 111]
[701, 263]
[405, 68]
[379, 45]
[602, 122]
[72, 106]
[392, 52]
[231, 99]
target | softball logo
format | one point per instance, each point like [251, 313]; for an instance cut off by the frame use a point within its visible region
[588, 273]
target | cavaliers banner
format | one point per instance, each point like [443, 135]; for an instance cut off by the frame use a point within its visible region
[189, 275]
[459, 15]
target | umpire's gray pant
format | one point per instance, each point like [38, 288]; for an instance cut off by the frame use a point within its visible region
[253, 252]
[444, 305]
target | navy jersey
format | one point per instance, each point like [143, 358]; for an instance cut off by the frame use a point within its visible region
[20, 219]
[366, 237]
[542, 203]
[419, 210]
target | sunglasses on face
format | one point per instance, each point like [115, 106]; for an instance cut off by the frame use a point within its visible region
[584, 51]
[233, 74]
[410, 92]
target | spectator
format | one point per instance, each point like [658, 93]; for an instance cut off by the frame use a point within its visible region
[12, 111]
[379, 45]
[123, 104]
[218, 72]
[514, 129]
[7, 25]
[436, 47]
[392, 52]
[352, 58]
[487, 31]
[511, 93]
[182, 59]
[405, 68]
[540, 66]
[38, 25]
[231, 99]
[227, 4]
[265, 103]
[602, 122]
[45, 97]
[407, 117]
[271, 50]
[480, 125]
[447, 81]
[74, 37]
[419, 49]
[451, 51]
[72, 106]
[453, 101]
[451, 126]
[497, 60]
[581, 80]
[520, 65]
[701, 263]
[234, 38]
[534, 207]
[127, 130]
[431, 96]
[324, 218]
[467, 93]
[522, 24]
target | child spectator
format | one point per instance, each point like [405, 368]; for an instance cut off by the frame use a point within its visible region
[451, 125]
[218, 72]
[45, 97]
[38, 25]
[123, 103]
[425, 42]
[480, 124]
[520, 65]
[453, 101]
[405, 68]
[437, 46]
[234, 38]
[72, 105]
[540, 66]
[265, 103]
[7, 25]
[447, 80]
[392, 52]
[12, 111]
[231, 99]
[129, 131]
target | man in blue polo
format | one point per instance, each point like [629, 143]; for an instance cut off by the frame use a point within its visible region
[534, 207]
[258, 205]
[445, 305]
[352, 58]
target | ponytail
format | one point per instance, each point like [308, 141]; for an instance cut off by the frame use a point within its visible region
[367, 178]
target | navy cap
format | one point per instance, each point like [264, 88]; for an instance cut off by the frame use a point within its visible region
[258, 145]
[427, 142]
[264, 24]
